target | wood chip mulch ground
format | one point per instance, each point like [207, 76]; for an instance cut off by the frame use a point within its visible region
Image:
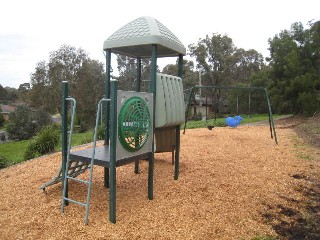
[233, 184]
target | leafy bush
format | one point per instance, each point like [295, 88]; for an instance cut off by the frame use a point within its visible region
[3, 161]
[45, 142]
[31, 151]
[86, 140]
[308, 103]
[100, 133]
[2, 137]
[25, 122]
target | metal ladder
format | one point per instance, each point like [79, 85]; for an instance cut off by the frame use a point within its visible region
[89, 182]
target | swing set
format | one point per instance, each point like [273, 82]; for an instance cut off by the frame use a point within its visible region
[217, 89]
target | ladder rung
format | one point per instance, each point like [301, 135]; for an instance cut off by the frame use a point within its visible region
[78, 180]
[74, 201]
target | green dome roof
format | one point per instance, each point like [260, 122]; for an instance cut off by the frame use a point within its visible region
[137, 37]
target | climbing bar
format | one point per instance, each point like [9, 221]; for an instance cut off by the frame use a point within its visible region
[78, 180]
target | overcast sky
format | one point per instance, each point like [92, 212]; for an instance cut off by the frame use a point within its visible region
[31, 29]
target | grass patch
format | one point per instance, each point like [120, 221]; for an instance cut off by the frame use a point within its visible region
[304, 156]
[13, 152]
[265, 238]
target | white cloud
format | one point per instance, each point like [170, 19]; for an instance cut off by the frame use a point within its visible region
[31, 29]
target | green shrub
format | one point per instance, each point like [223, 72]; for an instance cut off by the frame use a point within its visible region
[47, 139]
[3, 161]
[221, 123]
[45, 142]
[308, 103]
[31, 151]
[25, 122]
[100, 133]
[86, 140]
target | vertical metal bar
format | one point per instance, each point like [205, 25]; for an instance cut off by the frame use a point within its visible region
[177, 153]
[237, 103]
[136, 162]
[138, 87]
[206, 107]
[107, 110]
[92, 162]
[65, 179]
[64, 132]
[271, 122]
[152, 90]
[113, 147]
[180, 67]
[107, 95]
[250, 102]
[176, 162]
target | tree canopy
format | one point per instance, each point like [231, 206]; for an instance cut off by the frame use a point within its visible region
[85, 78]
[295, 69]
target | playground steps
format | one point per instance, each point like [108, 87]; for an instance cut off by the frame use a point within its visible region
[66, 199]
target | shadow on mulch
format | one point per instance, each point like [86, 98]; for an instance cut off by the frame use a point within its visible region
[302, 219]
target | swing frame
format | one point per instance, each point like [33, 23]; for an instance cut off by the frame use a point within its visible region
[273, 133]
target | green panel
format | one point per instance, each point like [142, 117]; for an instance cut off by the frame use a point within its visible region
[134, 124]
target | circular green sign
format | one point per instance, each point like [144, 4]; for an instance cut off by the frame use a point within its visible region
[134, 124]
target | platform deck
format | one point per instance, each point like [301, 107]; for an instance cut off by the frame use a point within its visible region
[102, 156]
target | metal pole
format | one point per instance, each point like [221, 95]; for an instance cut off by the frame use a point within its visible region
[200, 84]
[106, 110]
[113, 147]
[249, 102]
[271, 117]
[136, 162]
[64, 132]
[153, 87]
[177, 153]
[107, 96]
[237, 103]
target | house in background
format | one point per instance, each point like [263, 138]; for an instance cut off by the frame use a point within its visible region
[5, 110]
[205, 107]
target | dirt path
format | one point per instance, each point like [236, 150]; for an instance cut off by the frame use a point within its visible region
[233, 184]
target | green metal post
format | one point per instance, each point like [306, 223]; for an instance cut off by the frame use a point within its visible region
[113, 147]
[107, 95]
[177, 153]
[271, 122]
[64, 127]
[107, 111]
[152, 90]
[136, 162]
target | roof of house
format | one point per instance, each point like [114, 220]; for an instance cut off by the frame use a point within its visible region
[7, 108]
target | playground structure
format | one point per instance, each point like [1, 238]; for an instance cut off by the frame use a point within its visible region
[137, 124]
[261, 89]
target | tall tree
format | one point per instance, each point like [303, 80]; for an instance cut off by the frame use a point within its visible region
[3, 95]
[85, 78]
[294, 61]
[88, 91]
[39, 91]
[64, 65]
